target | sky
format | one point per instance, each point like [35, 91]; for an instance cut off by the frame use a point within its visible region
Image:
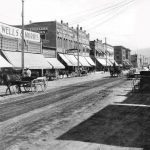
[122, 22]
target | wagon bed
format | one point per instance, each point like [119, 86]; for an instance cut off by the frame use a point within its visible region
[31, 84]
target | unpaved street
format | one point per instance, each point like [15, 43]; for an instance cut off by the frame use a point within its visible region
[42, 120]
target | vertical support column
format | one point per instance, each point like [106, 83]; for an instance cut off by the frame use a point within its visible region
[78, 46]
[106, 51]
[22, 37]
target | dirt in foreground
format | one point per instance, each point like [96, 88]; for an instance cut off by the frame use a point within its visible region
[114, 119]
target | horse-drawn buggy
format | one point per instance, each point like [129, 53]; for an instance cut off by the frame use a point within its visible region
[13, 80]
[115, 71]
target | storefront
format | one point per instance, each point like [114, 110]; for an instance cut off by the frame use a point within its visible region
[57, 66]
[36, 62]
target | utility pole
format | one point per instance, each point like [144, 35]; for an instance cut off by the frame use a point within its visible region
[78, 46]
[95, 53]
[1, 43]
[106, 50]
[22, 37]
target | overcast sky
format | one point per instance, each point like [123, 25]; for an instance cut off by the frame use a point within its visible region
[123, 22]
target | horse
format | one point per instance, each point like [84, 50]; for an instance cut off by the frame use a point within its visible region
[115, 71]
[9, 79]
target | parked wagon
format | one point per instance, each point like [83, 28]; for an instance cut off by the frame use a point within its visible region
[20, 84]
[32, 84]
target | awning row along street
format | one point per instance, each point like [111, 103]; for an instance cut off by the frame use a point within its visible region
[37, 61]
[109, 62]
[72, 60]
[33, 61]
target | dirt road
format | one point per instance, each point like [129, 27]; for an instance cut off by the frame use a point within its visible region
[41, 121]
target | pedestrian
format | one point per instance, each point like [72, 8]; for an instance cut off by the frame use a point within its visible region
[28, 72]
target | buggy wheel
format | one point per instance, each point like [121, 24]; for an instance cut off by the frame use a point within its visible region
[27, 88]
[17, 89]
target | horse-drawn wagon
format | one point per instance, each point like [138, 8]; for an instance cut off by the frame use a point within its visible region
[115, 71]
[21, 84]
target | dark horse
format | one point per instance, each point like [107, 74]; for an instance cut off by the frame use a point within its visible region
[115, 71]
[9, 78]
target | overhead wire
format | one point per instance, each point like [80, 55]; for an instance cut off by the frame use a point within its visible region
[102, 11]
[111, 17]
[88, 11]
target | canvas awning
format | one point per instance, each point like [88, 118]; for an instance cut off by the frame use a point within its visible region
[102, 61]
[109, 63]
[83, 61]
[113, 61]
[126, 63]
[4, 63]
[90, 61]
[72, 59]
[66, 60]
[33, 61]
[55, 63]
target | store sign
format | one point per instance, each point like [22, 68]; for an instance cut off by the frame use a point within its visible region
[17, 33]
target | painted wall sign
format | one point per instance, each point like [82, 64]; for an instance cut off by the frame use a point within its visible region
[17, 33]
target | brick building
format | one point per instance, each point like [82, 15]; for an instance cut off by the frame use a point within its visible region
[122, 56]
[60, 38]
[97, 53]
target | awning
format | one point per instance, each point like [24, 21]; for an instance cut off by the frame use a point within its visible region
[33, 61]
[126, 63]
[4, 63]
[90, 61]
[66, 60]
[113, 61]
[55, 63]
[83, 61]
[102, 61]
[72, 59]
[109, 63]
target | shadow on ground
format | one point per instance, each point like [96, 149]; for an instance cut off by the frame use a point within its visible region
[119, 124]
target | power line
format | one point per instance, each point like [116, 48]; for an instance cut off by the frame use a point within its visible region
[103, 11]
[107, 19]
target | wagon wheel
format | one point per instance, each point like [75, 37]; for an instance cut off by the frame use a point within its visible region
[27, 87]
[34, 88]
[16, 89]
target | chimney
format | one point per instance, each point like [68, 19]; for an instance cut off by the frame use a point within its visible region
[61, 21]
[80, 28]
[30, 21]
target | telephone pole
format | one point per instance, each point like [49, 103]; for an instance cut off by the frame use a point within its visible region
[78, 47]
[22, 37]
[106, 50]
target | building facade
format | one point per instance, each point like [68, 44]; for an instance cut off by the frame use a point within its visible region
[122, 55]
[136, 61]
[11, 49]
[60, 38]
[11, 40]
